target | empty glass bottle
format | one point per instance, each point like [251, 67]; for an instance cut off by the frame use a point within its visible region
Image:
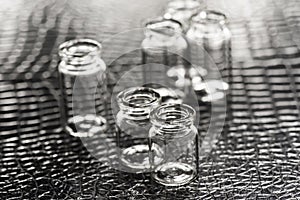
[173, 132]
[133, 127]
[209, 31]
[165, 45]
[82, 75]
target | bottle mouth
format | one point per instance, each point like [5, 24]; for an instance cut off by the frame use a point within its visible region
[184, 5]
[173, 116]
[79, 51]
[137, 102]
[163, 26]
[211, 16]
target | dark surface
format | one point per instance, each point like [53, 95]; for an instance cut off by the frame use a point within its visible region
[257, 157]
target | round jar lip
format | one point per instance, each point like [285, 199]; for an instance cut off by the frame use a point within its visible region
[127, 97]
[161, 23]
[162, 115]
[210, 15]
[188, 4]
[71, 49]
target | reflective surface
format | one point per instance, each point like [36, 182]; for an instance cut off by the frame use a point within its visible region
[258, 158]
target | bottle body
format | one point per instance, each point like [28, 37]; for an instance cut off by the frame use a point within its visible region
[133, 127]
[82, 75]
[173, 132]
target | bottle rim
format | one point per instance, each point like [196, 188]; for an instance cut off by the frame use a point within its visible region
[162, 23]
[128, 97]
[173, 115]
[137, 102]
[68, 51]
[184, 5]
[211, 16]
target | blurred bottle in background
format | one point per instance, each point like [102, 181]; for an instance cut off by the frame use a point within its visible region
[82, 75]
[209, 31]
[164, 46]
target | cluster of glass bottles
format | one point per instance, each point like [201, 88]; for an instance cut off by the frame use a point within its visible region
[155, 124]
[151, 136]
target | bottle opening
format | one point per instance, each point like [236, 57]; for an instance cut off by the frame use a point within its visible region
[162, 26]
[79, 51]
[173, 115]
[137, 102]
[184, 5]
[210, 16]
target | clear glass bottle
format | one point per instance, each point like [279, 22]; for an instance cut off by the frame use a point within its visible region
[182, 11]
[164, 44]
[82, 76]
[133, 127]
[209, 31]
[173, 132]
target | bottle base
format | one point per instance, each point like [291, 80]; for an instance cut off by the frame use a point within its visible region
[174, 174]
[86, 125]
[136, 158]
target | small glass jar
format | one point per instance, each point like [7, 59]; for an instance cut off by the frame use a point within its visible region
[209, 29]
[82, 76]
[133, 127]
[173, 131]
[163, 50]
[182, 11]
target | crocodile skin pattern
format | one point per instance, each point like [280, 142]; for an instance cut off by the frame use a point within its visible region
[257, 156]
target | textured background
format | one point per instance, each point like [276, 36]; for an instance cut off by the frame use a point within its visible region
[257, 157]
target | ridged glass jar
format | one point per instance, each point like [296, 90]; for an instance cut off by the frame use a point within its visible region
[82, 77]
[211, 50]
[163, 51]
[209, 29]
[133, 127]
[173, 131]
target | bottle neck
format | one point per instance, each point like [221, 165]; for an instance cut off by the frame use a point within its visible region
[209, 23]
[136, 103]
[207, 29]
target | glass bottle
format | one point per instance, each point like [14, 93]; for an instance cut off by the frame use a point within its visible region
[182, 11]
[82, 76]
[209, 30]
[164, 46]
[133, 127]
[173, 132]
